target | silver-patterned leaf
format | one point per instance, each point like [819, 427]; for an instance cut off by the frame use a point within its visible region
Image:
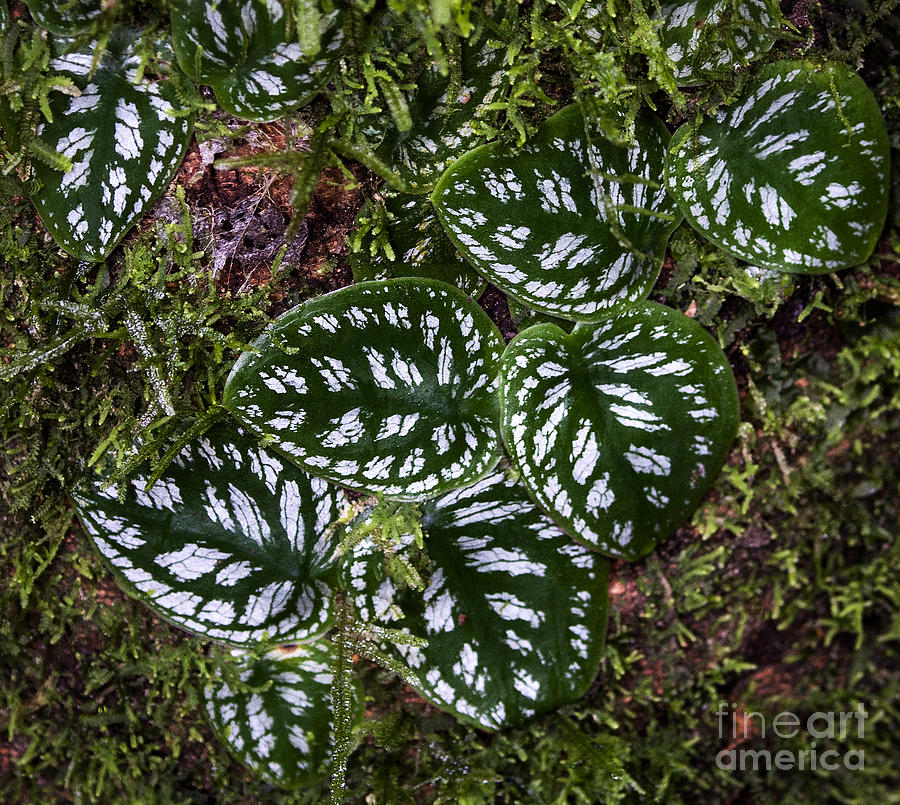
[64, 17]
[232, 543]
[123, 141]
[514, 612]
[387, 387]
[282, 727]
[706, 37]
[620, 427]
[239, 49]
[570, 226]
[793, 176]
[421, 248]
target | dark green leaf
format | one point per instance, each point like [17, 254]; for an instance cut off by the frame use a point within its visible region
[231, 543]
[239, 49]
[794, 176]
[124, 144]
[705, 37]
[570, 226]
[441, 126]
[388, 387]
[514, 614]
[620, 427]
[283, 727]
[64, 17]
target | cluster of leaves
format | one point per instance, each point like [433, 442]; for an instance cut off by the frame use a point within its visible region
[387, 101]
[330, 146]
[235, 544]
[762, 610]
[102, 699]
[668, 413]
[112, 106]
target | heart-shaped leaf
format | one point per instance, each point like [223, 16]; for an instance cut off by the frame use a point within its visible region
[619, 427]
[122, 140]
[794, 176]
[441, 113]
[388, 387]
[705, 37]
[421, 249]
[570, 227]
[239, 49]
[231, 543]
[282, 727]
[514, 614]
[64, 18]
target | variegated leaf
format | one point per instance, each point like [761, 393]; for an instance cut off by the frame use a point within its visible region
[388, 387]
[570, 226]
[239, 49]
[421, 248]
[282, 727]
[619, 428]
[514, 612]
[231, 543]
[441, 126]
[64, 17]
[123, 141]
[794, 176]
[706, 37]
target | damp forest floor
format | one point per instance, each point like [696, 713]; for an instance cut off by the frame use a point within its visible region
[782, 593]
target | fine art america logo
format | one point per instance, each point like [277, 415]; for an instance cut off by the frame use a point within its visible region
[820, 726]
